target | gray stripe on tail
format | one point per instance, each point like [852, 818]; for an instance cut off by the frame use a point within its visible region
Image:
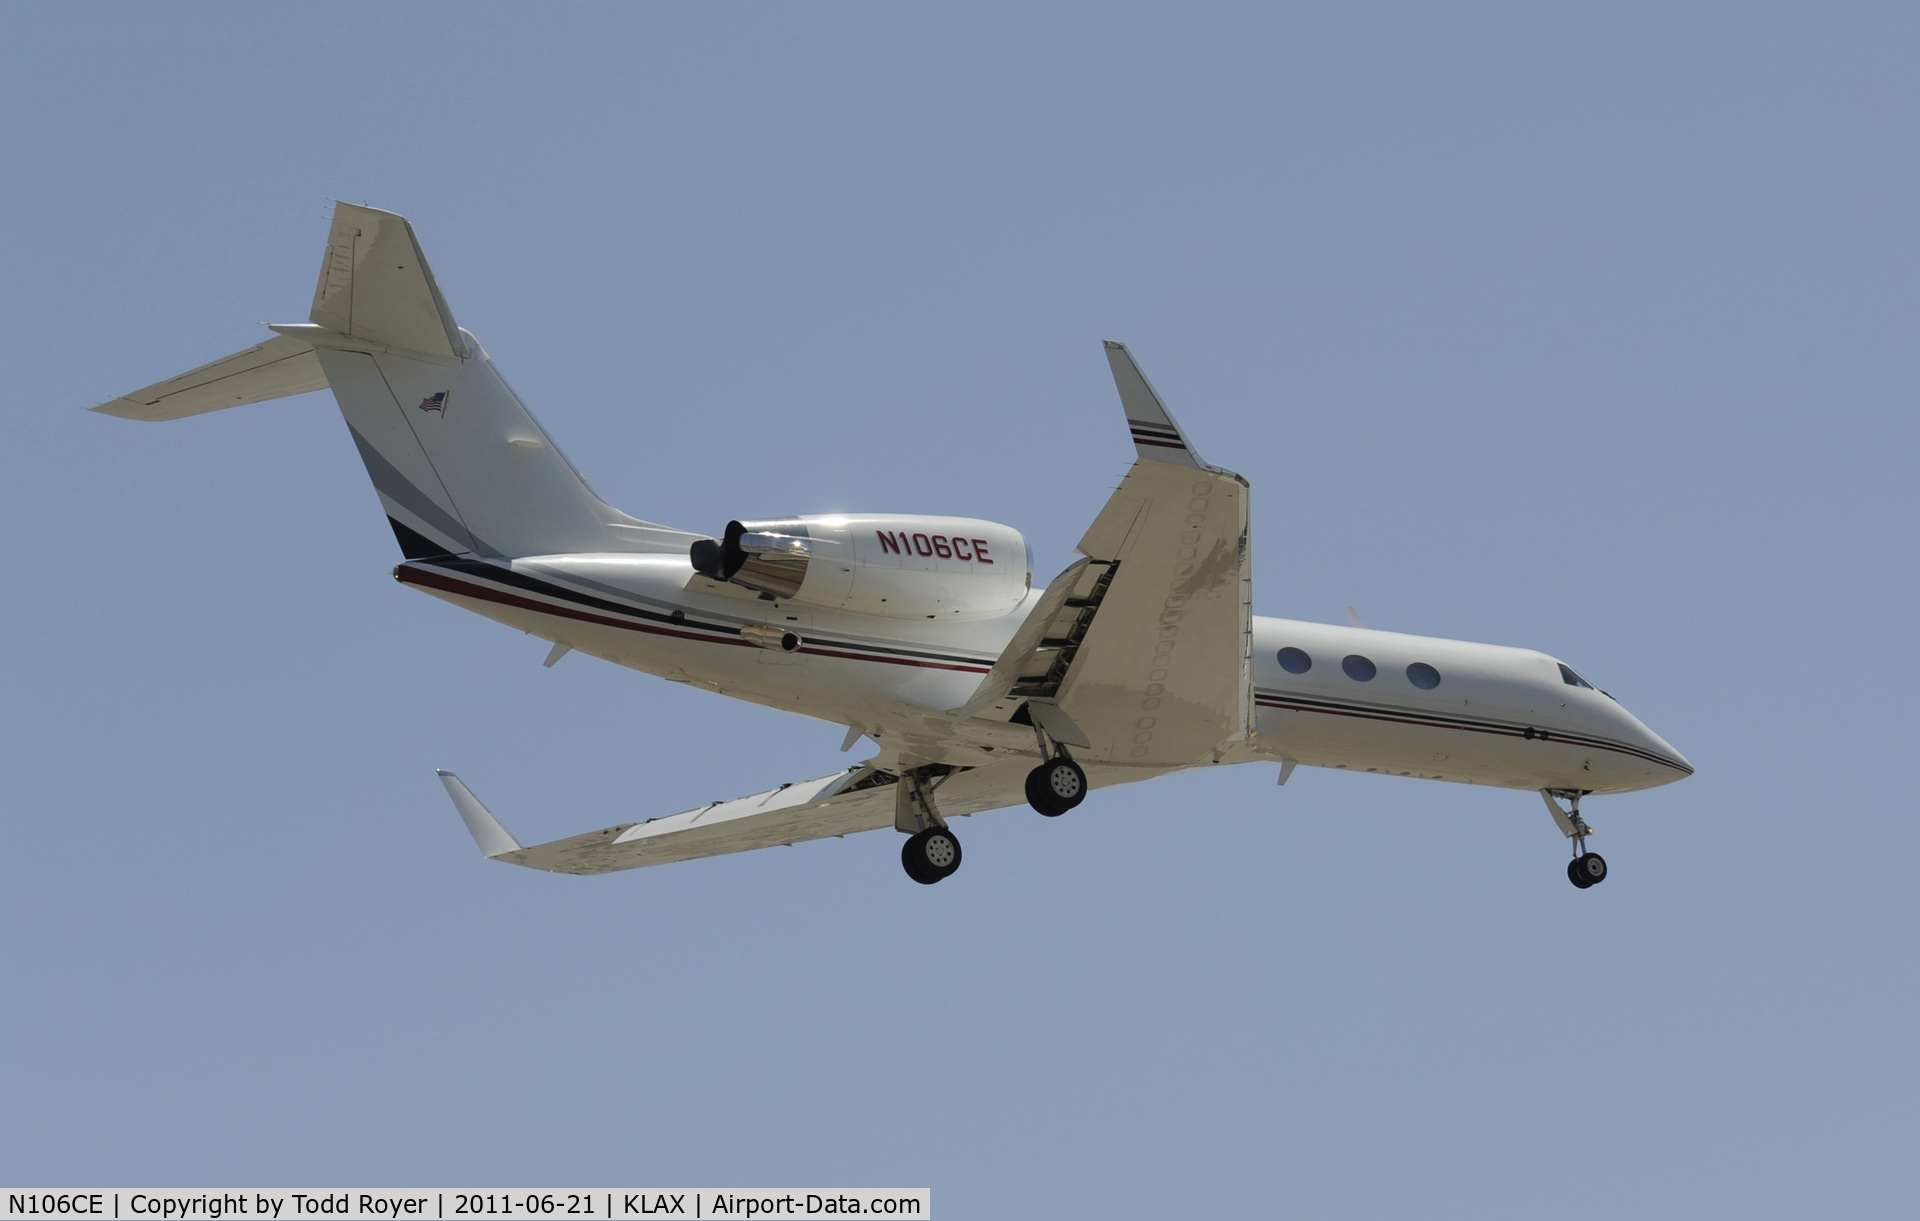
[389, 482]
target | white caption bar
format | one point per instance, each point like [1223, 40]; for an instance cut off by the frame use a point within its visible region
[449, 1204]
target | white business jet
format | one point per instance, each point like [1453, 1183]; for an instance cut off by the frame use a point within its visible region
[924, 634]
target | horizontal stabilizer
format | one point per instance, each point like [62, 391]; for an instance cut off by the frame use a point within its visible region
[281, 366]
[486, 829]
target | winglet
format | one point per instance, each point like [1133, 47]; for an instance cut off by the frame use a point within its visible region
[1155, 434]
[485, 828]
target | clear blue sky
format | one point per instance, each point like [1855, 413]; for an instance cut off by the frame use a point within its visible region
[1587, 329]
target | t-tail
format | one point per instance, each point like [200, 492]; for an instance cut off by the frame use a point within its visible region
[461, 466]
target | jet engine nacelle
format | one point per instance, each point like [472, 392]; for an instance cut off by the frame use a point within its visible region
[899, 566]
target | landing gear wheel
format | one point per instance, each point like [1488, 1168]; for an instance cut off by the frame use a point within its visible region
[1587, 869]
[930, 855]
[1056, 786]
[1037, 795]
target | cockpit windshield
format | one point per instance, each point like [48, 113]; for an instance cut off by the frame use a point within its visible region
[1568, 677]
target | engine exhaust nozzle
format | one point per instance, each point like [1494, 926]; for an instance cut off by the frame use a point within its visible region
[769, 557]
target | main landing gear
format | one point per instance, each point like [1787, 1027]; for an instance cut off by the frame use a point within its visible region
[1058, 784]
[930, 855]
[932, 852]
[1586, 868]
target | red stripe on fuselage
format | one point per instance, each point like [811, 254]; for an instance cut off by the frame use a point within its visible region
[407, 575]
[1499, 731]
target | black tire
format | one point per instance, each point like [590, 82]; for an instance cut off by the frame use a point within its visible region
[1573, 874]
[930, 855]
[1591, 867]
[1039, 797]
[909, 855]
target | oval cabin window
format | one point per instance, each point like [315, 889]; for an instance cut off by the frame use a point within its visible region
[1295, 661]
[1423, 676]
[1358, 668]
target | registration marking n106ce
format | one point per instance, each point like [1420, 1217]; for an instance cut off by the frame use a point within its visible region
[973, 550]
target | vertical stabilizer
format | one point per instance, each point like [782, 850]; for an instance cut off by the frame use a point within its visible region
[461, 466]
[375, 285]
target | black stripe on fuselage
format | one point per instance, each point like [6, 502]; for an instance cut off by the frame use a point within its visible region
[1437, 720]
[459, 576]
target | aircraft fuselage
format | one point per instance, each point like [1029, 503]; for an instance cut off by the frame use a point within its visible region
[1366, 701]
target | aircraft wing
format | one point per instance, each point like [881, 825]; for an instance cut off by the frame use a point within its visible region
[1147, 645]
[861, 798]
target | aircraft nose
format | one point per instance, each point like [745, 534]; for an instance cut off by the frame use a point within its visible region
[1669, 764]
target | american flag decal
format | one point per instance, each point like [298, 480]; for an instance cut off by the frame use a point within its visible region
[435, 402]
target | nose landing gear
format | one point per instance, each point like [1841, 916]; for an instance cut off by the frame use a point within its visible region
[1586, 868]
